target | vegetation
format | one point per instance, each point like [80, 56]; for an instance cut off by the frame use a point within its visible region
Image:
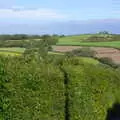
[35, 88]
[103, 38]
[92, 90]
[24, 41]
[30, 89]
[41, 86]
[85, 52]
[19, 37]
[97, 40]
[115, 44]
[109, 62]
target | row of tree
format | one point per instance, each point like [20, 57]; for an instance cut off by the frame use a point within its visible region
[25, 36]
[26, 43]
[103, 38]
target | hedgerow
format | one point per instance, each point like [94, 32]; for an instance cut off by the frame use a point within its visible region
[31, 90]
[56, 89]
[93, 89]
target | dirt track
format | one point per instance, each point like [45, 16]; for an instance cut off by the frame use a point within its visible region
[101, 52]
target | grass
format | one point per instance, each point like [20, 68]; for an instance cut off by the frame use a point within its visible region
[89, 60]
[79, 40]
[84, 59]
[12, 49]
[9, 53]
[115, 44]
[55, 53]
[74, 38]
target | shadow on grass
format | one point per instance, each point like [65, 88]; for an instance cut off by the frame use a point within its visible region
[114, 112]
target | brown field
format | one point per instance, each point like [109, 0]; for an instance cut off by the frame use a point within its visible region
[101, 52]
[65, 48]
[111, 53]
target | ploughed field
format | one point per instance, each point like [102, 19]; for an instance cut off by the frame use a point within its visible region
[101, 52]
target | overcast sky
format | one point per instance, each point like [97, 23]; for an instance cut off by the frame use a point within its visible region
[42, 12]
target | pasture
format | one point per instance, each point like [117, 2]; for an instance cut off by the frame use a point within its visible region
[115, 44]
[79, 40]
[74, 38]
[11, 51]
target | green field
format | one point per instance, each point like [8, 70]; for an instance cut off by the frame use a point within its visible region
[79, 41]
[9, 53]
[12, 49]
[115, 44]
[74, 38]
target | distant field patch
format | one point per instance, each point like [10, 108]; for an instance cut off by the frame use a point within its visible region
[9, 53]
[115, 44]
[74, 38]
[80, 40]
[12, 49]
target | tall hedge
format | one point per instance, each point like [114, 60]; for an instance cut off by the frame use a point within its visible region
[92, 90]
[30, 90]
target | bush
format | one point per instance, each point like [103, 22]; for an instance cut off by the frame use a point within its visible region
[85, 52]
[92, 90]
[108, 61]
[103, 38]
[31, 90]
[61, 88]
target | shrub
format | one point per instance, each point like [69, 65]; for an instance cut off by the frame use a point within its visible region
[107, 61]
[92, 90]
[31, 90]
[85, 52]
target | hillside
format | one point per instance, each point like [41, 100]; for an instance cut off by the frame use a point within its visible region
[97, 40]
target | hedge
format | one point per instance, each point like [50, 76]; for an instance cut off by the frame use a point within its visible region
[68, 89]
[31, 90]
[92, 90]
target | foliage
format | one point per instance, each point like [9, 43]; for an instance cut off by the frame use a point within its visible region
[92, 90]
[30, 90]
[108, 61]
[103, 32]
[103, 38]
[86, 52]
[56, 87]
[25, 40]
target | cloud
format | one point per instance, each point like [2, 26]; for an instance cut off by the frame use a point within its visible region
[39, 14]
[4, 4]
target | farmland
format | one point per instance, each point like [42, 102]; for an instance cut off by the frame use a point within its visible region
[59, 60]
[50, 84]
[80, 41]
[115, 44]
[11, 51]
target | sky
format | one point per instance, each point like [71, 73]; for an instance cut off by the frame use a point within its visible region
[47, 16]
